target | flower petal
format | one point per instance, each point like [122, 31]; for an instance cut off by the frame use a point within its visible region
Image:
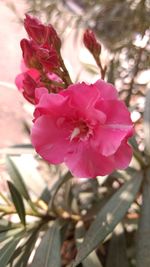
[123, 156]
[49, 139]
[107, 90]
[108, 140]
[82, 95]
[39, 92]
[86, 162]
[118, 126]
[117, 113]
[52, 104]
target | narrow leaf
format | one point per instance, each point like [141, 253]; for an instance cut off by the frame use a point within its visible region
[109, 217]
[18, 202]
[10, 233]
[48, 252]
[92, 260]
[17, 178]
[4, 225]
[117, 249]
[7, 251]
[23, 252]
[57, 186]
[143, 241]
[45, 195]
[22, 261]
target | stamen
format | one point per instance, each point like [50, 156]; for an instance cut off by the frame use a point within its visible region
[75, 133]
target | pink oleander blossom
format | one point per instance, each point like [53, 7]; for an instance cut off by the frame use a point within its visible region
[85, 126]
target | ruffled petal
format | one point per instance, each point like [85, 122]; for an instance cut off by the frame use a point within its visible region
[82, 98]
[52, 104]
[39, 92]
[118, 126]
[50, 138]
[116, 112]
[107, 90]
[82, 95]
[123, 156]
[108, 140]
[84, 161]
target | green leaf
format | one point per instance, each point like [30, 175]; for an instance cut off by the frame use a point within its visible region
[143, 240]
[10, 233]
[117, 249]
[92, 260]
[48, 252]
[17, 178]
[7, 251]
[57, 186]
[22, 261]
[45, 196]
[109, 217]
[23, 252]
[5, 225]
[18, 202]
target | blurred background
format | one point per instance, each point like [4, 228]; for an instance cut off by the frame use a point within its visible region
[122, 27]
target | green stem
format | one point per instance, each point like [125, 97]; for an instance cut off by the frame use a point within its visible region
[65, 74]
[99, 64]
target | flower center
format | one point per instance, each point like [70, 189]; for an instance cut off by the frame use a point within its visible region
[82, 131]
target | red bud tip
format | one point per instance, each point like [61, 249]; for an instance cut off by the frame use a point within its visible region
[89, 40]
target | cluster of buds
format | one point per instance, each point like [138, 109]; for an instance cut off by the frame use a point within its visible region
[43, 65]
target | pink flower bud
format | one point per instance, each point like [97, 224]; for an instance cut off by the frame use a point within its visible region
[91, 43]
[29, 54]
[48, 58]
[27, 82]
[52, 38]
[35, 29]
[40, 33]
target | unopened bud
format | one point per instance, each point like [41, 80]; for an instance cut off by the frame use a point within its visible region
[35, 29]
[53, 38]
[91, 43]
[27, 82]
[40, 33]
[48, 58]
[29, 54]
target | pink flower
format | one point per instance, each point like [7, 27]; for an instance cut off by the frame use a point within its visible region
[27, 82]
[85, 126]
